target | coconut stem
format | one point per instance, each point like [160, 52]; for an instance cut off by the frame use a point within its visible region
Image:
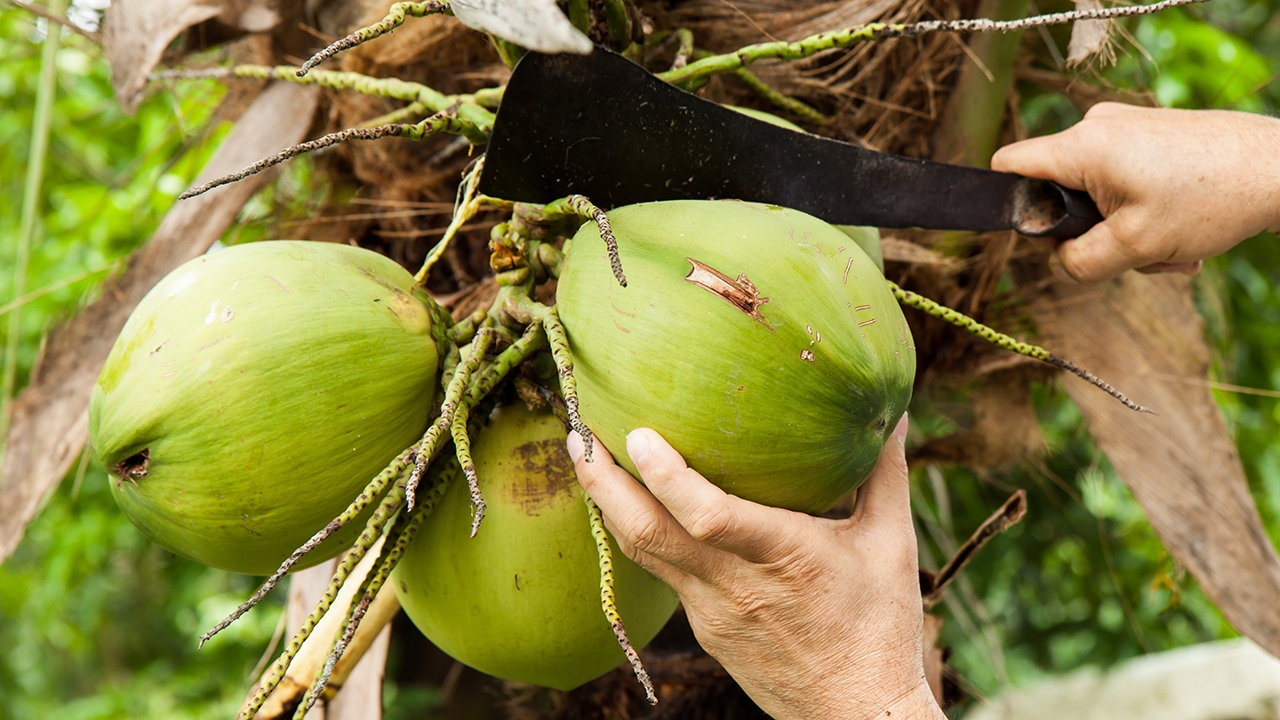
[964, 322]
[695, 73]
[684, 49]
[582, 207]
[779, 100]
[394, 19]
[462, 447]
[609, 602]
[465, 329]
[401, 533]
[559, 342]
[372, 531]
[393, 88]
[357, 506]
[453, 396]
[443, 121]
[466, 205]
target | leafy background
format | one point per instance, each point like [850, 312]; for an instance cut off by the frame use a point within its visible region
[96, 622]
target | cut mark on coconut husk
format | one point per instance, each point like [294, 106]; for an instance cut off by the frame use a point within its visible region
[741, 293]
[133, 467]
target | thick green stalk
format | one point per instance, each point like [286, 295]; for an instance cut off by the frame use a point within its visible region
[580, 15]
[46, 89]
[974, 116]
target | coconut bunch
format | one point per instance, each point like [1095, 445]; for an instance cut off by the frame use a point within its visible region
[778, 369]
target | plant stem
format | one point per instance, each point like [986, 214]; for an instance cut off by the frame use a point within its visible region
[46, 89]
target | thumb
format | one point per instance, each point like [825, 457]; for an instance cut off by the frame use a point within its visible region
[1051, 157]
[887, 493]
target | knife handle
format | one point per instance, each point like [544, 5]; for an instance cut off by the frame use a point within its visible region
[1042, 208]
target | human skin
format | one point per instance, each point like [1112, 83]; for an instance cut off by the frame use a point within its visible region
[813, 617]
[1175, 186]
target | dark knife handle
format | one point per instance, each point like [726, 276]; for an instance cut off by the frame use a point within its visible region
[1042, 208]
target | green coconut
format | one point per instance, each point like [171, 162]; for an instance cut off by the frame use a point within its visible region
[760, 341]
[868, 238]
[521, 600]
[255, 391]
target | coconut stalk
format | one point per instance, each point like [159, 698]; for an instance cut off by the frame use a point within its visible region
[970, 129]
[46, 89]
[282, 702]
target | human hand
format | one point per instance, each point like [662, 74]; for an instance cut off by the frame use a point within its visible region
[1175, 186]
[814, 618]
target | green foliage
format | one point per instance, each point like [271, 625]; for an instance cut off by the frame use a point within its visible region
[1084, 581]
[96, 621]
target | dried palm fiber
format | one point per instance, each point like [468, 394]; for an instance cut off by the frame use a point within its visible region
[405, 189]
[886, 95]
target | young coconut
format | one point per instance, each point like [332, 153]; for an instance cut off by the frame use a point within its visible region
[521, 600]
[868, 238]
[761, 341]
[255, 391]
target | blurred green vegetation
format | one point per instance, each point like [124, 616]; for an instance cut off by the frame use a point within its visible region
[96, 622]
[1083, 580]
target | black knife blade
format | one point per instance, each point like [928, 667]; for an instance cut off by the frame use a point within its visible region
[601, 126]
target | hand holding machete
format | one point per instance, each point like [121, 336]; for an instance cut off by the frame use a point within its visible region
[1176, 186]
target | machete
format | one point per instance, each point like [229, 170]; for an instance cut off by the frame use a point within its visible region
[601, 126]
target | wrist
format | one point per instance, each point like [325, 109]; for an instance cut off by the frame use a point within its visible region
[917, 703]
[913, 701]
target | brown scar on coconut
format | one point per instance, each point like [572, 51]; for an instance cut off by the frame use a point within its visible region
[133, 467]
[741, 293]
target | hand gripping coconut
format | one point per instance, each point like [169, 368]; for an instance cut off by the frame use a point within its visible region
[255, 391]
[763, 343]
[521, 600]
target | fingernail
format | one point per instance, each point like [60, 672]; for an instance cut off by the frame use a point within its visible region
[1193, 268]
[900, 431]
[638, 445]
[575, 446]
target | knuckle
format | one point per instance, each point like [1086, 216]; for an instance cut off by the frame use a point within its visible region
[711, 524]
[647, 533]
[1104, 110]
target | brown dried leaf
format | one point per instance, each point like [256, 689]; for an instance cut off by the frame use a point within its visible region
[135, 34]
[1181, 464]
[49, 423]
[1090, 38]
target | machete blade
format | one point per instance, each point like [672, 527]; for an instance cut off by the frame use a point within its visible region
[601, 126]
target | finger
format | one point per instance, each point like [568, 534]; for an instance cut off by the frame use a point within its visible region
[1184, 268]
[886, 495]
[637, 520]
[1051, 157]
[710, 515]
[665, 572]
[1095, 256]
